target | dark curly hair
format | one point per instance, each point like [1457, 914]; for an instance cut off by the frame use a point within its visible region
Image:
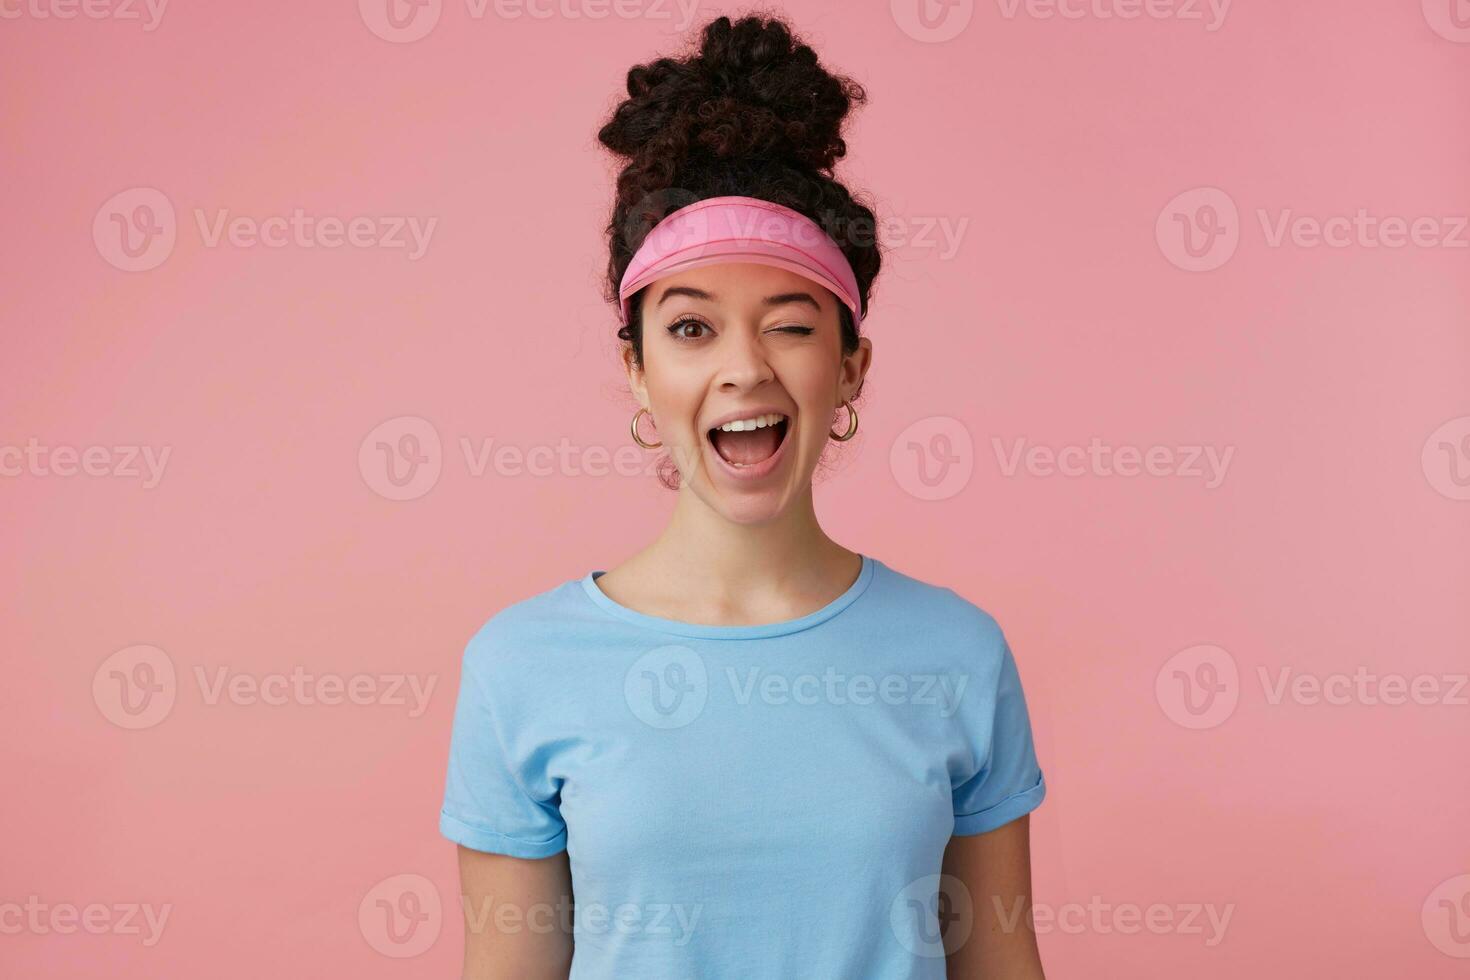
[752, 112]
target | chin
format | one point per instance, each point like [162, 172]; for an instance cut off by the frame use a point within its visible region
[749, 507]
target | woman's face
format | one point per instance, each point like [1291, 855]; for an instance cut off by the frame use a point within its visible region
[740, 340]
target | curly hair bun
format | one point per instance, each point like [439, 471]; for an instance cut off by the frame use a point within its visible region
[752, 90]
[750, 113]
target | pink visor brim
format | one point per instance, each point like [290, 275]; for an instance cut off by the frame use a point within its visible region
[740, 229]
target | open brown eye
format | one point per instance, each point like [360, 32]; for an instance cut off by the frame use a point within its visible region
[677, 326]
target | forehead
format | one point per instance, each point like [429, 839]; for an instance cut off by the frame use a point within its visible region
[741, 284]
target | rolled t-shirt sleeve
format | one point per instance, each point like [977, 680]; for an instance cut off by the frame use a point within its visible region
[1007, 781]
[497, 794]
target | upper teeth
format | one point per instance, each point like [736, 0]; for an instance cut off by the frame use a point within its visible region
[759, 422]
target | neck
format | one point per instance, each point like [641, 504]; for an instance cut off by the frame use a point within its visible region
[709, 553]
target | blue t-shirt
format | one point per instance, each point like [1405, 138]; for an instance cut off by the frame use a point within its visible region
[744, 802]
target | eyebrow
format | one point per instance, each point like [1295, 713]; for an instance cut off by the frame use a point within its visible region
[777, 300]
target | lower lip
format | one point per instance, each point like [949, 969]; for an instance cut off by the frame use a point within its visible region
[754, 471]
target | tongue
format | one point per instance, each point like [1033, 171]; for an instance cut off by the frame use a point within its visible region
[750, 446]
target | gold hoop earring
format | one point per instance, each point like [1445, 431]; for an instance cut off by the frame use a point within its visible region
[852, 423]
[639, 439]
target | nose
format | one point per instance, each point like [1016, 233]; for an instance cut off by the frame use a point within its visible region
[743, 361]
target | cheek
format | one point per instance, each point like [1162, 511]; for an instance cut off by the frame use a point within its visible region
[812, 385]
[675, 399]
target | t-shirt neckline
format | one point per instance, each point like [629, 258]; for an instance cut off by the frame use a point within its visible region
[746, 632]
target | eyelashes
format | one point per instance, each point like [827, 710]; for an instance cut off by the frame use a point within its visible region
[675, 329]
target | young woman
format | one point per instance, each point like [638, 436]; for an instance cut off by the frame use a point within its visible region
[747, 751]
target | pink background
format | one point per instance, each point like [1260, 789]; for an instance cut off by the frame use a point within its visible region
[1337, 377]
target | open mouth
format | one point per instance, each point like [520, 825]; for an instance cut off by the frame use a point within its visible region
[750, 446]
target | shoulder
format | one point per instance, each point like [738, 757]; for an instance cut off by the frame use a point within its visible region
[520, 633]
[940, 611]
[937, 603]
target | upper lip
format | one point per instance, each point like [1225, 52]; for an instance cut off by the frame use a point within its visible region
[745, 413]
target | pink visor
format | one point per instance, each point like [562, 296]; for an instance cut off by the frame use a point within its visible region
[740, 229]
